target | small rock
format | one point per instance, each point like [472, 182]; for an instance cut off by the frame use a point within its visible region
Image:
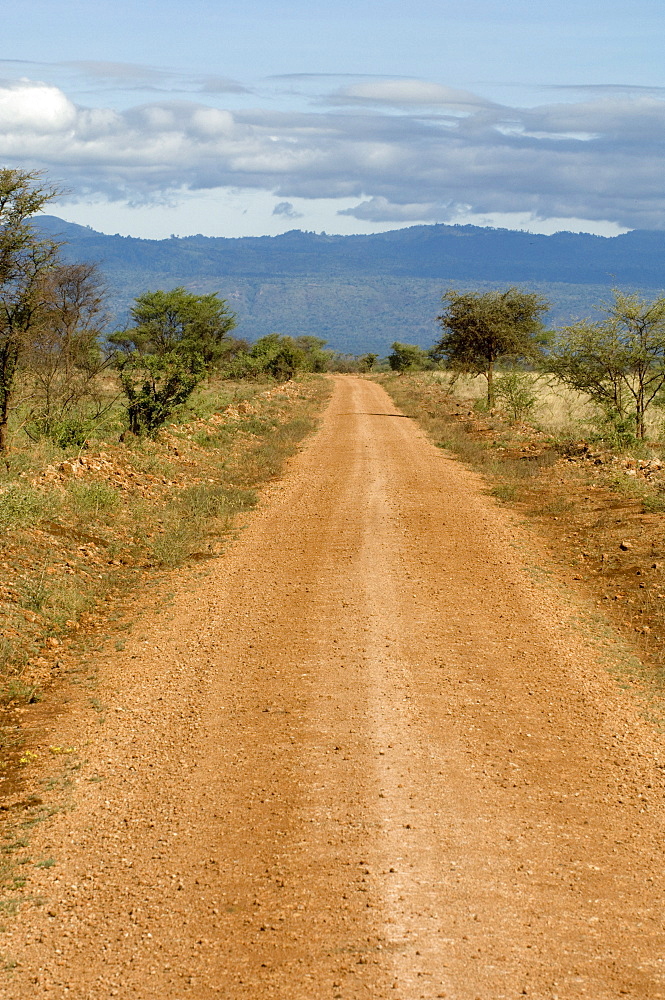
[625, 546]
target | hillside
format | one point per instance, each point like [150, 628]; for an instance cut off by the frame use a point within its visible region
[363, 292]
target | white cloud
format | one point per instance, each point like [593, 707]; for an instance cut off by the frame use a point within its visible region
[594, 159]
[35, 107]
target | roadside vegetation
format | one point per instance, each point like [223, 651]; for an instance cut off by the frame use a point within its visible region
[122, 453]
[596, 496]
[567, 426]
[82, 527]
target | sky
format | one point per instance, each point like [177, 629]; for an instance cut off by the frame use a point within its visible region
[252, 119]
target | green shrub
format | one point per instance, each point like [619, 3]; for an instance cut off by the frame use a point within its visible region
[515, 394]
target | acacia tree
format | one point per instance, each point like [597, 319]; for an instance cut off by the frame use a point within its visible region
[619, 362]
[25, 260]
[483, 329]
[178, 320]
[407, 358]
[155, 385]
[367, 361]
[177, 338]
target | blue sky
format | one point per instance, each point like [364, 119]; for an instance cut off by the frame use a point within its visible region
[357, 117]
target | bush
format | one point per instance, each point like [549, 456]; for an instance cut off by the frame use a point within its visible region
[155, 385]
[514, 391]
[70, 432]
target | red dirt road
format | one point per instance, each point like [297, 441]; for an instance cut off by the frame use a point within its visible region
[372, 754]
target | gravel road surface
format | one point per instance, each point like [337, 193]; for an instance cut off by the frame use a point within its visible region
[374, 752]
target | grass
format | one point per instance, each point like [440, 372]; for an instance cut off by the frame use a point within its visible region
[74, 542]
[92, 501]
[455, 414]
[586, 499]
[22, 505]
[505, 491]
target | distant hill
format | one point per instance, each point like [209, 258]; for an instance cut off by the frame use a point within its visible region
[362, 292]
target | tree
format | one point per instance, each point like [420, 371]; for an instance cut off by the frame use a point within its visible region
[178, 320]
[25, 260]
[367, 361]
[155, 384]
[317, 359]
[280, 357]
[177, 339]
[407, 358]
[619, 362]
[63, 358]
[483, 329]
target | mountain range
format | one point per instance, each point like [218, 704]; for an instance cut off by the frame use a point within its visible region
[361, 293]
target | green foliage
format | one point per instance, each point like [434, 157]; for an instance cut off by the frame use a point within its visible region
[367, 361]
[281, 358]
[620, 362]
[25, 259]
[155, 385]
[615, 429]
[408, 358]
[283, 362]
[316, 358]
[515, 393]
[179, 321]
[20, 505]
[68, 432]
[483, 329]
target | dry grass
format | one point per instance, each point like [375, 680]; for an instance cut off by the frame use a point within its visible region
[600, 513]
[559, 411]
[80, 530]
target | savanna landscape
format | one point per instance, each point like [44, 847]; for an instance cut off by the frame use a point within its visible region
[327, 674]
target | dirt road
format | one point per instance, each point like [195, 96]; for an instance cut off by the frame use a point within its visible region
[371, 754]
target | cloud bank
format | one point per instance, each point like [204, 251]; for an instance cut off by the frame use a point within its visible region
[408, 150]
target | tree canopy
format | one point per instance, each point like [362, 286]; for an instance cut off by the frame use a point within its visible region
[483, 329]
[408, 358]
[178, 320]
[619, 362]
